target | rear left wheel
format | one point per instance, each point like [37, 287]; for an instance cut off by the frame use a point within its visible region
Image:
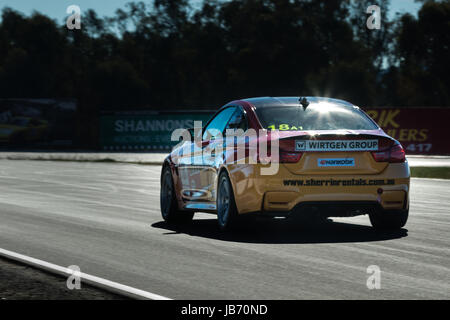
[168, 201]
[226, 206]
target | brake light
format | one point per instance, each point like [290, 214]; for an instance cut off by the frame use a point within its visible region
[289, 157]
[395, 154]
[381, 156]
[287, 151]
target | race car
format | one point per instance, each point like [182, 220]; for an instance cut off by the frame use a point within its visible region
[305, 156]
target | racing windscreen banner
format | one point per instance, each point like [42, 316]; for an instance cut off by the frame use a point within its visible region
[420, 130]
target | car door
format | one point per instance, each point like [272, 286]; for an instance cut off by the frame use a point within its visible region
[214, 148]
[198, 177]
[238, 124]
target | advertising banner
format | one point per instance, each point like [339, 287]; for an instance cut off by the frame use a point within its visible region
[37, 122]
[145, 131]
[419, 130]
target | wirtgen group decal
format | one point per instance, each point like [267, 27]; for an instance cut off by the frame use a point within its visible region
[336, 145]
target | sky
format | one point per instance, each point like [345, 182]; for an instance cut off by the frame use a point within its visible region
[56, 9]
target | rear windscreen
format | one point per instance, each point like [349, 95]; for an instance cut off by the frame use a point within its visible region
[320, 116]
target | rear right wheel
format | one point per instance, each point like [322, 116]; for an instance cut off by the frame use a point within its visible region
[389, 219]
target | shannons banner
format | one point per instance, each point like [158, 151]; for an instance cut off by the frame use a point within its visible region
[145, 131]
[420, 130]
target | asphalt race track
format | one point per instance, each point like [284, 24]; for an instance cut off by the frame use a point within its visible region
[104, 217]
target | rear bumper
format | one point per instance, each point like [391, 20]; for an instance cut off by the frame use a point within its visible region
[287, 201]
[327, 209]
[285, 193]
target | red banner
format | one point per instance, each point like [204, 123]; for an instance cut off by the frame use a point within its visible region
[419, 130]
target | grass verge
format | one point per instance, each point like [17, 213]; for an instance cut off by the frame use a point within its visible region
[431, 172]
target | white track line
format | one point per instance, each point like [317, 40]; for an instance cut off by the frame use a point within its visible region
[92, 280]
[432, 179]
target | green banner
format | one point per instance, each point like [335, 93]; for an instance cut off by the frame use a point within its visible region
[145, 132]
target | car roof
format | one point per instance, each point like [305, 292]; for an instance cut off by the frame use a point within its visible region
[262, 102]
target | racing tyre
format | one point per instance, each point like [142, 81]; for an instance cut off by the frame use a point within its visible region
[388, 219]
[226, 205]
[168, 201]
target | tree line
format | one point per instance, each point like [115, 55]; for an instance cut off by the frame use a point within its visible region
[170, 54]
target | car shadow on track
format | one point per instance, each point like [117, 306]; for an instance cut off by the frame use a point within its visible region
[284, 231]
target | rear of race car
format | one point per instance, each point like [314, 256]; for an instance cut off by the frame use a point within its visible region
[332, 173]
